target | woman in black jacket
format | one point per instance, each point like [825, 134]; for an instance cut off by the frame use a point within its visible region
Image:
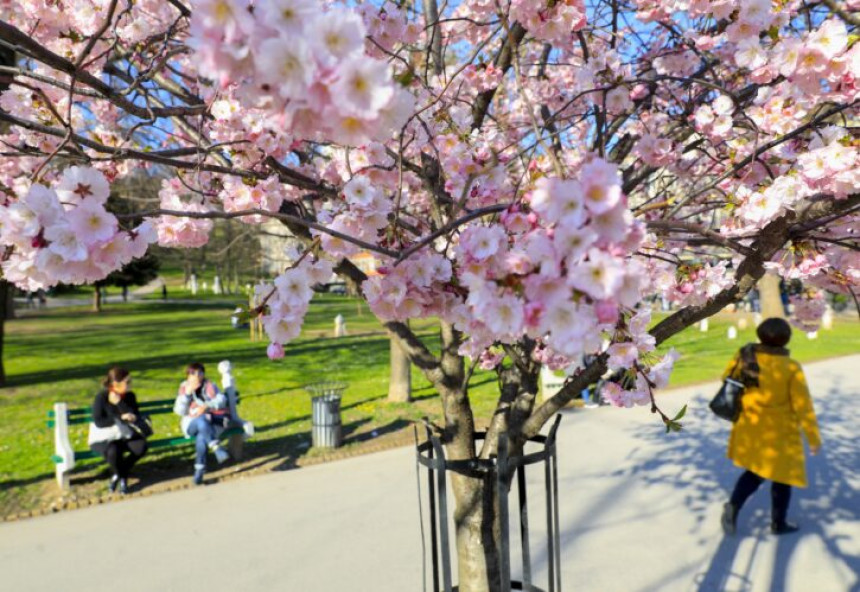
[113, 405]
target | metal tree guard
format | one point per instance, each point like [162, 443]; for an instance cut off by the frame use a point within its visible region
[431, 455]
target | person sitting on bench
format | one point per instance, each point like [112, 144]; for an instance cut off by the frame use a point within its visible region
[113, 405]
[202, 408]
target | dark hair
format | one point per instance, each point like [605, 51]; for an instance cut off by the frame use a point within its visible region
[774, 332]
[115, 374]
[195, 367]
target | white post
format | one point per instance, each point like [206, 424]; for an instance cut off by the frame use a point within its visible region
[827, 318]
[236, 442]
[703, 325]
[205, 287]
[194, 284]
[812, 334]
[733, 333]
[216, 286]
[339, 326]
[228, 385]
[62, 445]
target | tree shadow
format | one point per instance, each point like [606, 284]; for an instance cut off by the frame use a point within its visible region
[289, 462]
[15, 483]
[298, 419]
[250, 354]
[696, 463]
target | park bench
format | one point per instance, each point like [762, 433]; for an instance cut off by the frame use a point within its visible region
[62, 417]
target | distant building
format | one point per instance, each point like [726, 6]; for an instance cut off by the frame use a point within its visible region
[366, 262]
[277, 244]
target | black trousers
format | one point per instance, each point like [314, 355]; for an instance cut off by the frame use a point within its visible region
[780, 495]
[122, 454]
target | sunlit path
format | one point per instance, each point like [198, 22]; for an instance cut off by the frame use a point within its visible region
[639, 513]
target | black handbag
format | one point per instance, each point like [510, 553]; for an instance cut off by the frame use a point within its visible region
[727, 402]
[142, 426]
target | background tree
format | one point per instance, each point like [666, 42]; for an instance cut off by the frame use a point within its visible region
[138, 272]
[528, 172]
[7, 290]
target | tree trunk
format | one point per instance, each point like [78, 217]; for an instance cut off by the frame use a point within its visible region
[478, 531]
[7, 311]
[125, 293]
[400, 382]
[771, 299]
[97, 299]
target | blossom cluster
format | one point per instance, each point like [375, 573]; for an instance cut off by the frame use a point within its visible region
[554, 24]
[286, 302]
[181, 231]
[807, 310]
[830, 165]
[306, 67]
[244, 194]
[387, 26]
[65, 234]
[638, 388]
[482, 77]
[556, 268]
[63, 25]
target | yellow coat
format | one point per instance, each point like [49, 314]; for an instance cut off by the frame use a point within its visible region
[766, 437]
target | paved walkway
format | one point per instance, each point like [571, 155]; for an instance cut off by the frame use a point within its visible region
[639, 513]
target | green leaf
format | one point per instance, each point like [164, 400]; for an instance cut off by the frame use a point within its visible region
[681, 413]
[673, 426]
[773, 33]
[406, 77]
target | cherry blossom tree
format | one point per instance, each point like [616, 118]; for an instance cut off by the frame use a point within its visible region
[528, 171]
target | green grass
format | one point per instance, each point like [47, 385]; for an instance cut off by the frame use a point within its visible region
[61, 355]
[704, 355]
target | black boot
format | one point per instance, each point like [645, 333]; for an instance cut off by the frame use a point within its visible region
[783, 527]
[114, 481]
[123, 486]
[730, 518]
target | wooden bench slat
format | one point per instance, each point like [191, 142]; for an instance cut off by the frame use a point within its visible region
[150, 404]
[162, 443]
[76, 420]
[74, 412]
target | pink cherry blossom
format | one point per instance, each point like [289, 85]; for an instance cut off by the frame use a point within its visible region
[91, 222]
[79, 183]
[601, 186]
[275, 351]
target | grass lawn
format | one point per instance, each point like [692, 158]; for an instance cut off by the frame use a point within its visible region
[62, 354]
[704, 355]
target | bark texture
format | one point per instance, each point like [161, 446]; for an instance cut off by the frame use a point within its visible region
[771, 300]
[400, 380]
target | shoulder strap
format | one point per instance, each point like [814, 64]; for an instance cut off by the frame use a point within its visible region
[735, 367]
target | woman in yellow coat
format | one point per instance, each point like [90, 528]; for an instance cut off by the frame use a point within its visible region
[766, 440]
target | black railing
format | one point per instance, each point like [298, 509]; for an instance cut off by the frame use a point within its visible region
[431, 455]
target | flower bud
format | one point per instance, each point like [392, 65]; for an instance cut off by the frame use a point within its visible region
[275, 351]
